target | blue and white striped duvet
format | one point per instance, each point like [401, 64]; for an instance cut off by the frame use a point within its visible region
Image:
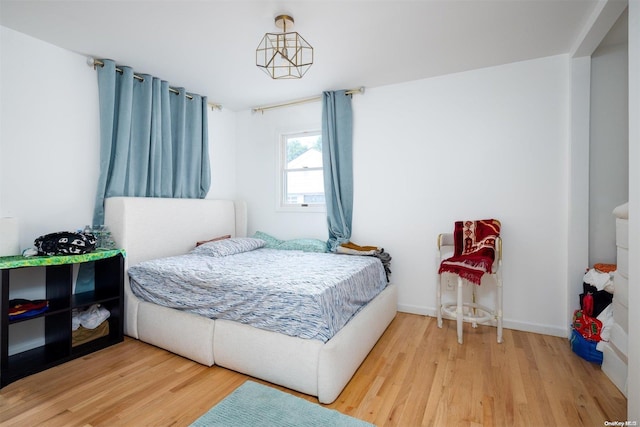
[307, 295]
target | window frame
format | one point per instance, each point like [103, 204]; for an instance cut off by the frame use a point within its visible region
[281, 171]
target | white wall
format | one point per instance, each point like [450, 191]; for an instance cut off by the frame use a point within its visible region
[578, 185]
[609, 148]
[49, 138]
[257, 151]
[633, 405]
[480, 144]
[222, 154]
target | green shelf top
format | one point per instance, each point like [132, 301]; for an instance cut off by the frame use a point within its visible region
[17, 261]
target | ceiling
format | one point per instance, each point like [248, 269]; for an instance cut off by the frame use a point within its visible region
[208, 47]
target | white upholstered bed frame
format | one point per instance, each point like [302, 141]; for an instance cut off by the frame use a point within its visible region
[150, 228]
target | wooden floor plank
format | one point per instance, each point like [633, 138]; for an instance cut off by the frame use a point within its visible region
[417, 375]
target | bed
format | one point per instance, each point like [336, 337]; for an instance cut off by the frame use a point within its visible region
[151, 228]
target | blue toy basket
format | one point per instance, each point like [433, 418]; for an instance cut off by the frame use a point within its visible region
[585, 348]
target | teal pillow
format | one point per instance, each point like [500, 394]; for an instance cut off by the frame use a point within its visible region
[272, 242]
[306, 245]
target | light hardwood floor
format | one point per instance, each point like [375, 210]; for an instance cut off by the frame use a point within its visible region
[416, 375]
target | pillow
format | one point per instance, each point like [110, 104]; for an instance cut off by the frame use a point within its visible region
[306, 245]
[231, 246]
[271, 242]
[215, 239]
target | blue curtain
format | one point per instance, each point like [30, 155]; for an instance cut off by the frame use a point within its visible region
[153, 142]
[337, 156]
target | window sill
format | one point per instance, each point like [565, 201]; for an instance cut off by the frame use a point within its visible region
[302, 209]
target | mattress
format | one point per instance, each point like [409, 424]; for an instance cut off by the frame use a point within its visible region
[301, 294]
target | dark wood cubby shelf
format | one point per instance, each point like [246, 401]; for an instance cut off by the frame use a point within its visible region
[57, 348]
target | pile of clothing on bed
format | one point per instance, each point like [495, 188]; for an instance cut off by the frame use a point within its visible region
[351, 248]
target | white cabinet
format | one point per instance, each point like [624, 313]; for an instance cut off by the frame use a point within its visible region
[614, 363]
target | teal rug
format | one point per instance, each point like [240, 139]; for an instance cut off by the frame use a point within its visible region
[253, 404]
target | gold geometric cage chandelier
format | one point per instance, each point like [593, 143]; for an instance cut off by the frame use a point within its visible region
[284, 55]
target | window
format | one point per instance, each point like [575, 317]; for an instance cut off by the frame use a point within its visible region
[301, 178]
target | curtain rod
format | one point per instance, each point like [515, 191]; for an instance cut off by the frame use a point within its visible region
[302, 101]
[95, 62]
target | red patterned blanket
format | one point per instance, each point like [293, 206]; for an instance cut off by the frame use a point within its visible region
[474, 250]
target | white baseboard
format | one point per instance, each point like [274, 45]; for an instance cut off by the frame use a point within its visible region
[506, 323]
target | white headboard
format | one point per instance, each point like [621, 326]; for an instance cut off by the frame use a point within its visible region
[148, 227]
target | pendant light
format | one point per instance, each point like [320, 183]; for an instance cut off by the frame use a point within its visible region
[285, 55]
